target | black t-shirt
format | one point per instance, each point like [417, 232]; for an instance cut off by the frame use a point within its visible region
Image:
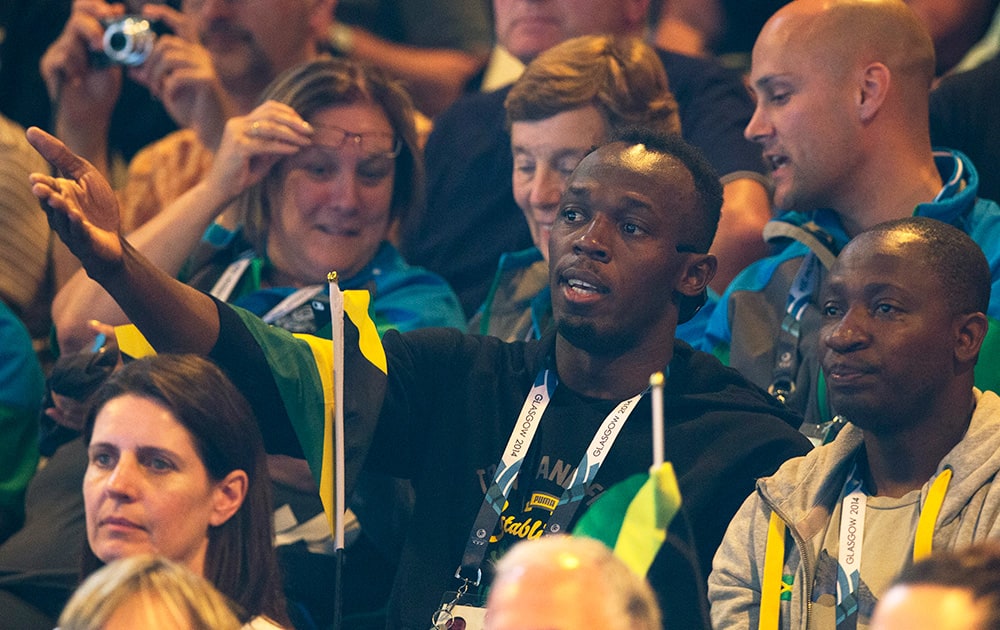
[451, 401]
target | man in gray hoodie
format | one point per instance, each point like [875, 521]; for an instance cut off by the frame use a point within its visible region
[819, 541]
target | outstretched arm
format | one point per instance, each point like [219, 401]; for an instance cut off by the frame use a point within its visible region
[251, 145]
[82, 210]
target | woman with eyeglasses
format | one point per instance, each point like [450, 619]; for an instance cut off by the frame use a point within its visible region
[311, 181]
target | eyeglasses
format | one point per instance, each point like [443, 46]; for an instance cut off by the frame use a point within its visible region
[374, 143]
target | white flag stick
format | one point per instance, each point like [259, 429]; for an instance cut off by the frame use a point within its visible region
[337, 336]
[656, 383]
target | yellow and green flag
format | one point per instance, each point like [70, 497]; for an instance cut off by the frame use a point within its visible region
[632, 516]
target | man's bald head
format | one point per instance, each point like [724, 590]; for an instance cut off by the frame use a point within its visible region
[842, 35]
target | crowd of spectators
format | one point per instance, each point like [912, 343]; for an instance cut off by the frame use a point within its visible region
[764, 231]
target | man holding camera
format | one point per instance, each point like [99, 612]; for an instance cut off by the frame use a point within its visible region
[212, 62]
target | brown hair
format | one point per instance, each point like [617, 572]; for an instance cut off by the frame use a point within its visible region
[621, 76]
[328, 82]
[240, 560]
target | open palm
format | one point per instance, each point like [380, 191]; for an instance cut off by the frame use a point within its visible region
[81, 206]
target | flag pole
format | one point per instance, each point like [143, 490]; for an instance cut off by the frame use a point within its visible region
[337, 338]
[656, 386]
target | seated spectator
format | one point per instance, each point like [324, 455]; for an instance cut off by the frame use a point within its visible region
[948, 590]
[570, 99]
[469, 159]
[176, 467]
[839, 168]
[903, 322]
[551, 583]
[436, 405]
[319, 173]
[314, 180]
[215, 64]
[150, 592]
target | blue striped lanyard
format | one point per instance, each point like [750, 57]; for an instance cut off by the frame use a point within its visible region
[513, 457]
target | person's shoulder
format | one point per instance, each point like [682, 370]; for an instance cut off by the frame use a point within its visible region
[705, 381]
[473, 107]
[969, 86]
[456, 350]
[683, 70]
[758, 275]
[392, 272]
[15, 150]
[473, 123]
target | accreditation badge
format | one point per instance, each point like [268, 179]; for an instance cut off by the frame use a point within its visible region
[454, 616]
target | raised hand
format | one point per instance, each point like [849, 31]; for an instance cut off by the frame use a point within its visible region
[180, 73]
[81, 206]
[252, 144]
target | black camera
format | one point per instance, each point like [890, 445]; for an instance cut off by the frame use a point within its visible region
[127, 41]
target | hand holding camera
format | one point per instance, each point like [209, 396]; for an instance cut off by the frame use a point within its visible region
[159, 49]
[127, 40]
[83, 96]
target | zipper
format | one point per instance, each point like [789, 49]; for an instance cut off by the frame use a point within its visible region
[803, 555]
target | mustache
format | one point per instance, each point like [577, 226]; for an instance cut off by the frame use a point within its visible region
[219, 26]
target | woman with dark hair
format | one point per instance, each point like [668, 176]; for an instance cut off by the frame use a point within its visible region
[176, 467]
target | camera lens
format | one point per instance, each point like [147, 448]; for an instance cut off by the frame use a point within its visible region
[128, 40]
[117, 42]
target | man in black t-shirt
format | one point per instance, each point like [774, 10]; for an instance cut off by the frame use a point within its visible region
[527, 435]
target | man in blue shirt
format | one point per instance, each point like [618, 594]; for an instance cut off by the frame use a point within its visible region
[842, 91]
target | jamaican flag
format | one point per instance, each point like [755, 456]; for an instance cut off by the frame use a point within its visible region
[632, 516]
[288, 379]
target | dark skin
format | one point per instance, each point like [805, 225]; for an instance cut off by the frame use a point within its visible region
[619, 222]
[83, 211]
[899, 362]
[613, 262]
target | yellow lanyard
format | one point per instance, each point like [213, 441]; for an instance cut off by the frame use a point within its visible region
[774, 554]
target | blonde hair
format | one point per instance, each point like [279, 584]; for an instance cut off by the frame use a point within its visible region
[164, 588]
[587, 565]
[622, 77]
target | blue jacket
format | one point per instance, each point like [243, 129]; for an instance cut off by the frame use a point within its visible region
[745, 325]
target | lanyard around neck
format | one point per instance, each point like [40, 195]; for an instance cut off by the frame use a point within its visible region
[787, 347]
[512, 459]
[852, 528]
[226, 284]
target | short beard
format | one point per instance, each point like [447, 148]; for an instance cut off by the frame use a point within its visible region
[586, 337]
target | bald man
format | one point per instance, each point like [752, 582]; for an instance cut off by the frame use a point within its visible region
[842, 92]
